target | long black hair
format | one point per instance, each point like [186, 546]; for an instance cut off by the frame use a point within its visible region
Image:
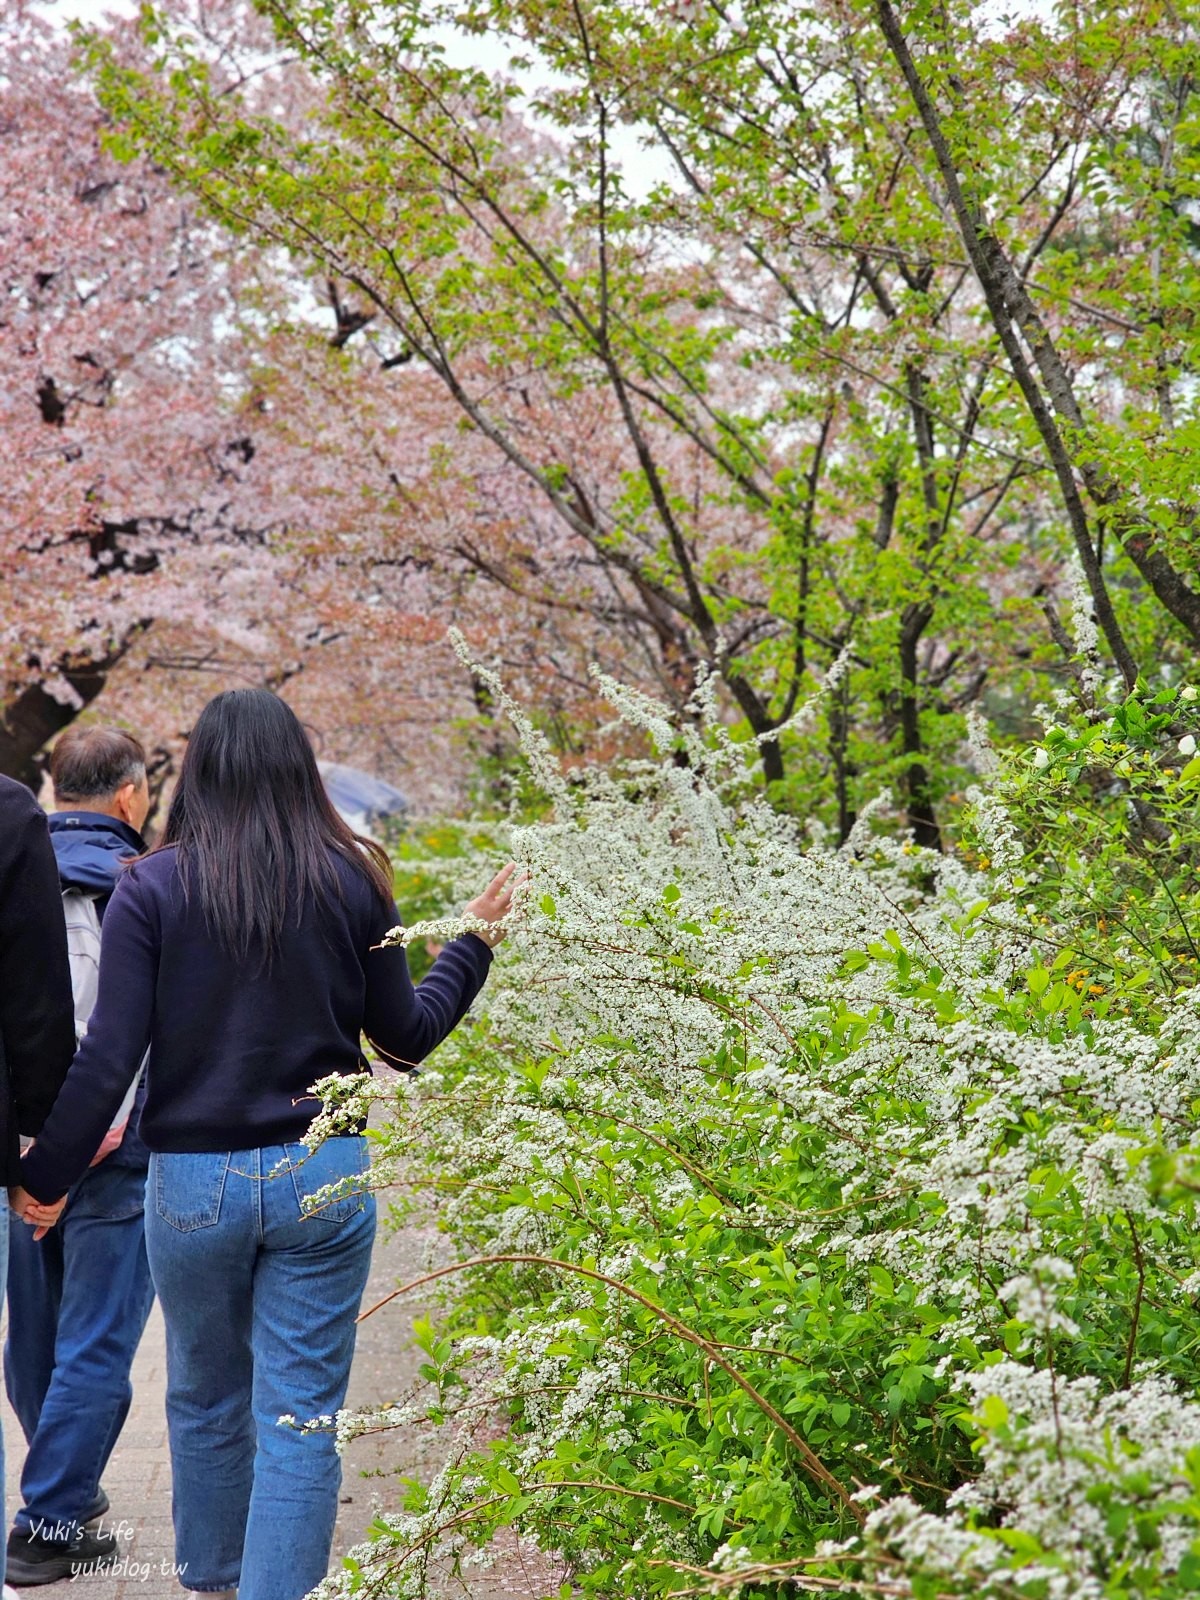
[253, 826]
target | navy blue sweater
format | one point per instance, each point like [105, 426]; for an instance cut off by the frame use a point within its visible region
[233, 1053]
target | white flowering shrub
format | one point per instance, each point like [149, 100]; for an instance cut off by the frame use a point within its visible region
[812, 1223]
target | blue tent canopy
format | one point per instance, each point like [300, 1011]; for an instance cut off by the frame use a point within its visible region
[360, 798]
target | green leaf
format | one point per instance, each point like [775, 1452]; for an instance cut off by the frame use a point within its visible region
[993, 1413]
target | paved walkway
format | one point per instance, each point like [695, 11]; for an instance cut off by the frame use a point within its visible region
[138, 1480]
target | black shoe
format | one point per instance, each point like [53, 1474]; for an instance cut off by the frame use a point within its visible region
[98, 1508]
[32, 1559]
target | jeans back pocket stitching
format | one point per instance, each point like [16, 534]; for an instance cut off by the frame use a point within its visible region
[193, 1222]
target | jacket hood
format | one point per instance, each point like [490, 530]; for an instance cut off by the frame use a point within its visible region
[90, 848]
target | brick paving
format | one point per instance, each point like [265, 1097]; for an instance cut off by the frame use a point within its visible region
[138, 1479]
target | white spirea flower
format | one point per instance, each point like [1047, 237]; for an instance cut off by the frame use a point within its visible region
[673, 990]
[1084, 626]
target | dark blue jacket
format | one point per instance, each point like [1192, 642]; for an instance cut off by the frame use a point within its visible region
[235, 1047]
[90, 850]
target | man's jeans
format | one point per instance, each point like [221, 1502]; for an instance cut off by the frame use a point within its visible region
[259, 1301]
[77, 1303]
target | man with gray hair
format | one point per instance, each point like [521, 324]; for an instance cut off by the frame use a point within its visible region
[79, 1298]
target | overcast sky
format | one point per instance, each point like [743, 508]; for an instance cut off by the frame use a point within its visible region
[641, 168]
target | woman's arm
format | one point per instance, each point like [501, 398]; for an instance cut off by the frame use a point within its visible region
[110, 1053]
[404, 1022]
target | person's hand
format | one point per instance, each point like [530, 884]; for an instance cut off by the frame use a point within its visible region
[41, 1218]
[494, 904]
[109, 1143]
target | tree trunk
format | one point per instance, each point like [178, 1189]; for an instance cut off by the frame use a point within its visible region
[34, 717]
[757, 713]
[921, 816]
[844, 771]
[997, 277]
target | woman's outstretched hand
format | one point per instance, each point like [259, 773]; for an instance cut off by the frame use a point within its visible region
[494, 904]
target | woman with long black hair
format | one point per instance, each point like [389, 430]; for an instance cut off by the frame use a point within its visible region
[244, 952]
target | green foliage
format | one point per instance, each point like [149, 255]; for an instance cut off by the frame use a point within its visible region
[782, 1186]
[1107, 811]
[423, 889]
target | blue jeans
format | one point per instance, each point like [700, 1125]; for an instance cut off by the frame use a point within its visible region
[259, 1301]
[77, 1304]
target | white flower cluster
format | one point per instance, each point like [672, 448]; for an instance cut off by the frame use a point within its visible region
[1093, 1482]
[1085, 629]
[692, 962]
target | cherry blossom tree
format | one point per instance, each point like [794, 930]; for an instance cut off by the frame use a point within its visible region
[130, 432]
[218, 473]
